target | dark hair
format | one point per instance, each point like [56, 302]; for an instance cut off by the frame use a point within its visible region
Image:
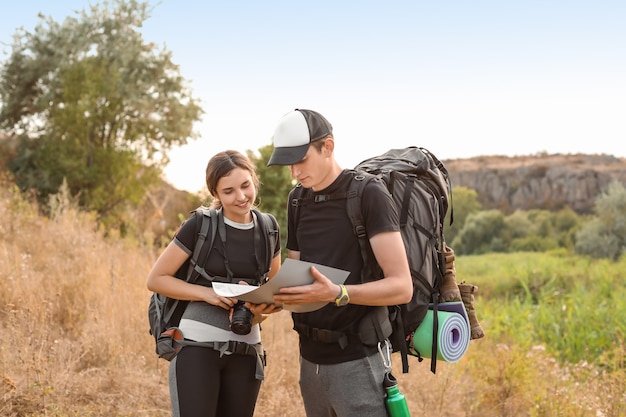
[220, 165]
[319, 144]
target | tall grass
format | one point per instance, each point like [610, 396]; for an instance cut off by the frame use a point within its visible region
[72, 316]
[573, 305]
[75, 336]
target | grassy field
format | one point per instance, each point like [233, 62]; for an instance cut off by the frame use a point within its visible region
[75, 336]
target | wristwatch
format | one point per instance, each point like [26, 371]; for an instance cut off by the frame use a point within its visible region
[343, 298]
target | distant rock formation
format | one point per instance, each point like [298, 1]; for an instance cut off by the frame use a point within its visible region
[538, 181]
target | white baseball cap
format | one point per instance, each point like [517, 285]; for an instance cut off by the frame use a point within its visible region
[294, 133]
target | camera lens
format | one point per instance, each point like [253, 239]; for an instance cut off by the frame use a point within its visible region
[241, 319]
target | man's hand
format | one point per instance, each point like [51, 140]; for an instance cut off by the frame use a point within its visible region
[321, 290]
[262, 311]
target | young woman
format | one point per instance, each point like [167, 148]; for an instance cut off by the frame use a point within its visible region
[221, 376]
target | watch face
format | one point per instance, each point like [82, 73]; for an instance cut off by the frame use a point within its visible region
[343, 300]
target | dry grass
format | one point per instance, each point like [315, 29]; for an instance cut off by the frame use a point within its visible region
[75, 341]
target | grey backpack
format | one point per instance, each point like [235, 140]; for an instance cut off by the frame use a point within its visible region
[421, 191]
[164, 313]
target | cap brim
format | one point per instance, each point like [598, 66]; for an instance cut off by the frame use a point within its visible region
[288, 155]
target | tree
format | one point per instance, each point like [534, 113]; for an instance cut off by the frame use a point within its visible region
[276, 183]
[94, 104]
[604, 235]
[540, 230]
[481, 233]
[463, 203]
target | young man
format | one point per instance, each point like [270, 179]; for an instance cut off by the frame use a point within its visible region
[340, 375]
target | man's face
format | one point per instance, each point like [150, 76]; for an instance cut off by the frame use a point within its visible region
[313, 169]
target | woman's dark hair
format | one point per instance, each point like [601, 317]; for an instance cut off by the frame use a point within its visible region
[220, 165]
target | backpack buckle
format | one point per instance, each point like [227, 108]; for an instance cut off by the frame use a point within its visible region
[360, 231]
[320, 198]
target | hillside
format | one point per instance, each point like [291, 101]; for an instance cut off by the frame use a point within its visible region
[537, 181]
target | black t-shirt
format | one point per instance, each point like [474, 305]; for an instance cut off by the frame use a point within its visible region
[238, 249]
[325, 235]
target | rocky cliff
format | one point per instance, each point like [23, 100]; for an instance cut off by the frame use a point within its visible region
[537, 181]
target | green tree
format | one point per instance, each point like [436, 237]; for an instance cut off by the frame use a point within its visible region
[535, 234]
[481, 233]
[464, 202]
[604, 235]
[533, 230]
[567, 223]
[276, 183]
[94, 104]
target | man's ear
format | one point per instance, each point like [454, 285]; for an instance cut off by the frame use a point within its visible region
[329, 145]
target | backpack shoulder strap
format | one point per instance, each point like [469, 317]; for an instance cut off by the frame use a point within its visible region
[355, 214]
[209, 223]
[299, 197]
[371, 269]
[268, 227]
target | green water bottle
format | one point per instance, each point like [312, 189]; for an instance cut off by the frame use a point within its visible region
[395, 401]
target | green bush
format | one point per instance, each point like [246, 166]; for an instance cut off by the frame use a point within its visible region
[575, 306]
[604, 235]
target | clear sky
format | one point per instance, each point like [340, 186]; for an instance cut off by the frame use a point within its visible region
[461, 78]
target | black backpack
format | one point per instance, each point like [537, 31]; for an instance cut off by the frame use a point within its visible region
[421, 191]
[164, 313]
[420, 186]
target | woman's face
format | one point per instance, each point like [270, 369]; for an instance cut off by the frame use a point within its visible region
[237, 193]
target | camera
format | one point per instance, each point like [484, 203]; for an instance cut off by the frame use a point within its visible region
[240, 318]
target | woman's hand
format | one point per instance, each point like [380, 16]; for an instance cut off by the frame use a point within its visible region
[210, 296]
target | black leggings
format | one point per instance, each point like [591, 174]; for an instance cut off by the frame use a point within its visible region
[206, 385]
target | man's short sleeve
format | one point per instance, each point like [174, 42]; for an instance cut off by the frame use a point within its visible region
[379, 211]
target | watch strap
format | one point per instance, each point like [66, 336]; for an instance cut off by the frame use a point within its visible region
[343, 298]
